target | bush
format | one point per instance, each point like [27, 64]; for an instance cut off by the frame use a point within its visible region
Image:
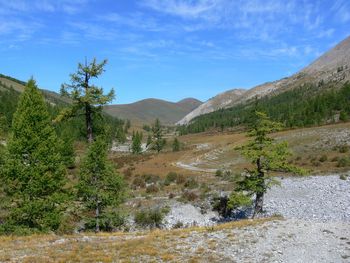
[335, 159]
[191, 183]
[180, 179]
[152, 189]
[323, 158]
[218, 173]
[170, 178]
[151, 178]
[343, 177]
[343, 148]
[343, 162]
[139, 182]
[151, 218]
[178, 224]
[189, 196]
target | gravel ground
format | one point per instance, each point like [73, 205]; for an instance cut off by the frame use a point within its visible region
[285, 241]
[316, 198]
[311, 198]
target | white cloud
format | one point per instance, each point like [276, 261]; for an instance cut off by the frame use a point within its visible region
[185, 9]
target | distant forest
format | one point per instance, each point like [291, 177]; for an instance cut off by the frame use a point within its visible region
[305, 106]
[73, 128]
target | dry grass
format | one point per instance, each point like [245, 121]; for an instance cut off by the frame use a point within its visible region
[151, 246]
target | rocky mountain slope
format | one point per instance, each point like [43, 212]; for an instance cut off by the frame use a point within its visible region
[213, 104]
[146, 111]
[332, 67]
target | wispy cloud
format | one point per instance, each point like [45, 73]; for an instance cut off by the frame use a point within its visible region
[185, 9]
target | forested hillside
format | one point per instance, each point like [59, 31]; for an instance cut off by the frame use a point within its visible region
[71, 128]
[305, 106]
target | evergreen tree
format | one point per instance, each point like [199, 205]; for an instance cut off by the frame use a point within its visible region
[149, 140]
[267, 156]
[136, 146]
[120, 135]
[33, 174]
[158, 140]
[99, 187]
[176, 145]
[86, 97]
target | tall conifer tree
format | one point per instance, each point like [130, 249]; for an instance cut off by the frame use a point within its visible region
[33, 172]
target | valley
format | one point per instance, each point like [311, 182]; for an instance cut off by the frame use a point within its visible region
[250, 175]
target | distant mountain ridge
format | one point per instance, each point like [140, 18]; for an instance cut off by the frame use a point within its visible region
[141, 112]
[332, 67]
[147, 110]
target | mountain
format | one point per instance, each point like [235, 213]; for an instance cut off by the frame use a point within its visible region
[213, 104]
[147, 110]
[7, 82]
[331, 69]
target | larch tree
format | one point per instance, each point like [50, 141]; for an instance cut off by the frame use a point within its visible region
[176, 145]
[158, 140]
[86, 97]
[267, 156]
[33, 172]
[99, 187]
[136, 145]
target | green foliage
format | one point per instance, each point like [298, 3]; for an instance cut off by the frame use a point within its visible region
[302, 107]
[120, 135]
[151, 218]
[146, 127]
[86, 97]
[33, 173]
[171, 177]
[136, 146]
[99, 187]
[176, 145]
[191, 183]
[149, 140]
[158, 141]
[267, 155]
[343, 162]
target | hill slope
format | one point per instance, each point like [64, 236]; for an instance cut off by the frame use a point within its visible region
[146, 111]
[213, 104]
[9, 82]
[331, 68]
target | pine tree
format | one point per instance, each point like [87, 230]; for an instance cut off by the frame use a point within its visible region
[86, 97]
[266, 155]
[136, 146]
[176, 145]
[158, 140]
[33, 174]
[99, 187]
[149, 140]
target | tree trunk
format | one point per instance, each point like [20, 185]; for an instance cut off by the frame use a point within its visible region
[97, 215]
[88, 119]
[259, 198]
[259, 202]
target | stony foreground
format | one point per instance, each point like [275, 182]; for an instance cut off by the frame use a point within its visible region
[315, 228]
[262, 240]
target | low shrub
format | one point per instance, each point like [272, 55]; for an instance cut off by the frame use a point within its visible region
[218, 173]
[189, 196]
[343, 162]
[152, 189]
[191, 183]
[181, 179]
[171, 177]
[152, 218]
[343, 148]
[323, 158]
[139, 182]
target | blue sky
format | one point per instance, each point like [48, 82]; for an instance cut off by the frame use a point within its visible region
[168, 49]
